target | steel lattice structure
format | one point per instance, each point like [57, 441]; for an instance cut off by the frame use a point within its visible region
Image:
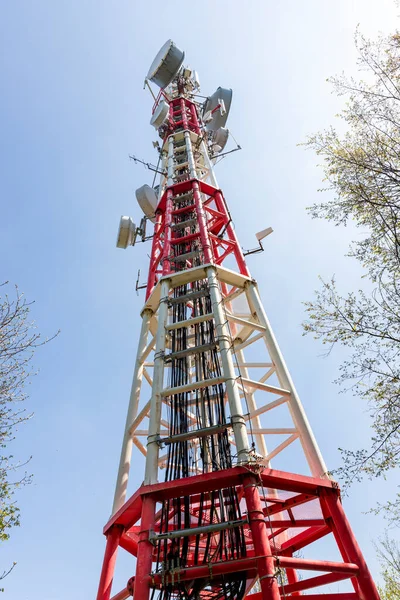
[213, 403]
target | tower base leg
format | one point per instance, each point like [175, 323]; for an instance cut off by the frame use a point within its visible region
[110, 556]
[262, 547]
[145, 550]
[364, 584]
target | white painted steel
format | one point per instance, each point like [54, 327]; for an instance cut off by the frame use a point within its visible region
[194, 385]
[142, 415]
[222, 335]
[279, 448]
[268, 406]
[264, 387]
[151, 469]
[308, 441]
[211, 175]
[126, 451]
[190, 322]
[244, 322]
[251, 401]
[189, 151]
[170, 160]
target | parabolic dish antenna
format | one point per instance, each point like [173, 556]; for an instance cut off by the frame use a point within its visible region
[217, 119]
[166, 64]
[147, 199]
[126, 233]
[219, 139]
[160, 115]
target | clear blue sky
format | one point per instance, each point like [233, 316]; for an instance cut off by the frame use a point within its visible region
[72, 109]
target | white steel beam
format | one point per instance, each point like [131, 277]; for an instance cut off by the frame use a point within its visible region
[267, 407]
[190, 322]
[147, 350]
[264, 387]
[142, 415]
[126, 451]
[275, 431]
[249, 341]
[194, 385]
[147, 377]
[151, 469]
[244, 323]
[281, 447]
[253, 365]
[232, 390]
[308, 441]
[251, 402]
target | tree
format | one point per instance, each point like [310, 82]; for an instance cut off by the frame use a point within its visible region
[18, 342]
[389, 556]
[362, 169]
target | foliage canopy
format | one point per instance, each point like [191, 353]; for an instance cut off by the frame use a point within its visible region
[362, 169]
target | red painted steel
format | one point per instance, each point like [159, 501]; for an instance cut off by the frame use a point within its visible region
[110, 556]
[122, 595]
[145, 550]
[263, 559]
[212, 220]
[342, 528]
[262, 548]
[293, 577]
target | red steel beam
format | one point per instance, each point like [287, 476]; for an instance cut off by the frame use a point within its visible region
[262, 547]
[215, 480]
[145, 550]
[285, 504]
[110, 556]
[286, 523]
[318, 565]
[205, 571]
[129, 544]
[342, 528]
[305, 539]
[313, 582]
[122, 595]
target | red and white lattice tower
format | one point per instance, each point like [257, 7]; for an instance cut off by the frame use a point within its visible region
[212, 402]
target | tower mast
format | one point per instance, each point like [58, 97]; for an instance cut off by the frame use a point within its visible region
[212, 403]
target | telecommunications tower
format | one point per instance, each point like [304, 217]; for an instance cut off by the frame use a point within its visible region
[213, 408]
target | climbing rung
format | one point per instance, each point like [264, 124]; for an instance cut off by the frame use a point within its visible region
[184, 209]
[184, 224]
[190, 322]
[182, 197]
[191, 350]
[194, 385]
[184, 257]
[189, 296]
[195, 433]
[210, 528]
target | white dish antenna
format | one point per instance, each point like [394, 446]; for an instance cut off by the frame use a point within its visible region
[220, 139]
[166, 64]
[147, 199]
[160, 115]
[216, 109]
[126, 233]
